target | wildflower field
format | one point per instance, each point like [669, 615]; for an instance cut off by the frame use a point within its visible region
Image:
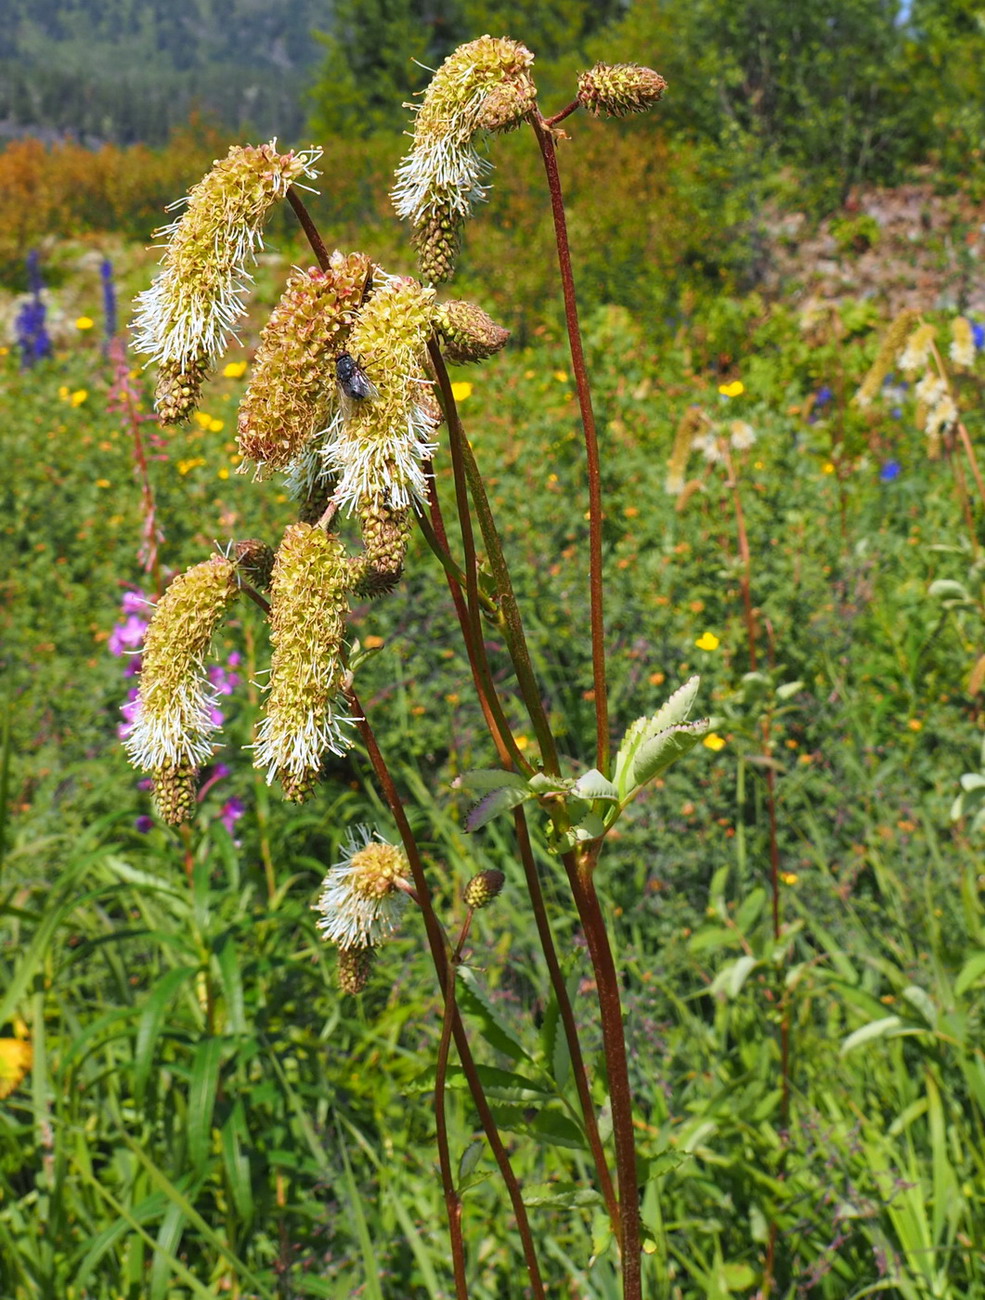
[792, 509]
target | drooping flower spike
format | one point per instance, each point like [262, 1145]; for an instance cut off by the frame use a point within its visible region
[293, 394]
[376, 447]
[482, 86]
[303, 717]
[173, 722]
[185, 318]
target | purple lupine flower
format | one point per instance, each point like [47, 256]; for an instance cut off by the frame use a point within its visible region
[824, 396]
[144, 824]
[109, 301]
[234, 659]
[230, 813]
[892, 469]
[32, 335]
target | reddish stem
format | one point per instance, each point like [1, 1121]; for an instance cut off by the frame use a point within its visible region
[546, 141]
[439, 955]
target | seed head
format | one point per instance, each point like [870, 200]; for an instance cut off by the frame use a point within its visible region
[376, 448]
[195, 301]
[179, 384]
[690, 426]
[175, 788]
[469, 333]
[308, 606]
[362, 897]
[293, 394]
[384, 534]
[484, 85]
[173, 719]
[355, 965]
[619, 89]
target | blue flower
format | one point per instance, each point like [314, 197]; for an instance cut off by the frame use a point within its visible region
[978, 334]
[109, 298]
[32, 335]
[892, 469]
[824, 395]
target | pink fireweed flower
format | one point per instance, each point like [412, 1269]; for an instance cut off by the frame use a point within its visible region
[363, 896]
[127, 635]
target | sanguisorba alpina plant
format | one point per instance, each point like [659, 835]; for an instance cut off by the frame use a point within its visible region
[348, 397]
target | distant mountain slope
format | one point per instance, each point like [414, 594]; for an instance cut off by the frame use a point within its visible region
[128, 70]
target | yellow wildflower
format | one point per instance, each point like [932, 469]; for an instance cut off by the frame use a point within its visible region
[714, 742]
[234, 370]
[461, 390]
[84, 323]
[735, 389]
[707, 641]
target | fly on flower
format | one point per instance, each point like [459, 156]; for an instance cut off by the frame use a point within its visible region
[355, 384]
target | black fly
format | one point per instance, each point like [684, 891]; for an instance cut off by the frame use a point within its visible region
[352, 379]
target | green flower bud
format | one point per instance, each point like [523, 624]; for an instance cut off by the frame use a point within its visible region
[619, 89]
[469, 333]
[483, 888]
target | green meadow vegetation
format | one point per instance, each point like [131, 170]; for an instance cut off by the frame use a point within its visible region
[191, 1107]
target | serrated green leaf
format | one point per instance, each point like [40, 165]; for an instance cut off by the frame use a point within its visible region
[470, 1157]
[481, 780]
[559, 1130]
[473, 1001]
[672, 713]
[591, 827]
[656, 754]
[593, 785]
[567, 1196]
[494, 805]
[541, 783]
